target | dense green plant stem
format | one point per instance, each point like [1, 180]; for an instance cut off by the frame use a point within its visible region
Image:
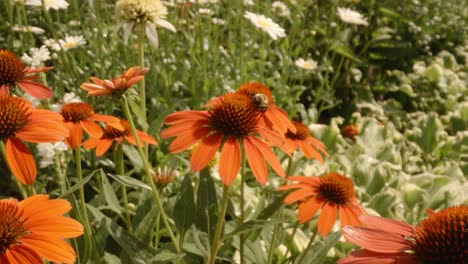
[121, 172]
[311, 241]
[147, 168]
[141, 63]
[242, 205]
[296, 225]
[17, 183]
[219, 225]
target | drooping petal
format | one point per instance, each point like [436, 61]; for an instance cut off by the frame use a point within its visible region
[103, 146]
[91, 143]
[188, 139]
[145, 138]
[76, 135]
[365, 256]
[165, 24]
[21, 161]
[230, 160]
[309, 208]
[376, 239]
[256, 161]
[310, 152]
[348, 217]
[205, 151]
[110, 120]
[35, 89]
[270, 157]
[49, 247]
[327, 218]
[93, 129]
[388, 225]
[152, 34]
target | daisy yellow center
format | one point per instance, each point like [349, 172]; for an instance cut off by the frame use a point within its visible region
[14, 115]
[112, 133]
[70, 44]
[234, 115]
[443, 237]
[11, 68]
[336, 188]
[11, 226]
[264, 24]
[302, 132]
[76, 112]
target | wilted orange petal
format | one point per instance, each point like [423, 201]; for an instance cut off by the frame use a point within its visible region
[19, 254]
[35, 89]
[50, 247]
[256, 161]
[309, 208]
[230, 160]
[205, 151]
[21, 161]
[269, 156]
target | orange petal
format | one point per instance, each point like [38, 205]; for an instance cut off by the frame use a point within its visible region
[49, 247]
[93, 129]
[91, 143]
[145, 138]
[309, 208]
[4, 89]
[180, 128]
[318, 145]
[43, 132]
[43, 114]
[76, 135]
[377, 240]
[20, 160]
[230, 160]
[312, 180]
[348, 217]
[364, 256]
[63, 227]
[388, 225]
[103, 146]
[19, 254]
[39, 206]
[111, 120]
[188, 139]
[310, 152]
[269, 156]
[327, 218]
[295, 186]
[185, 116]
[35, 89]
[205, 151]
[256, 161]
[299, 195]
[270, 135]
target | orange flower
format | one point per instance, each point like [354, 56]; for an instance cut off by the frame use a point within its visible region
[20, 121]
[35, 228]
[111, 134]
[118, 85]
[13, 71]
[80, 116]
[231, 119]
[332, 193]
[441, 238]
[302, 139]
[350, 131]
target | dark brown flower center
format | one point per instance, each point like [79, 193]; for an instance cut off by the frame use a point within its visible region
[302, 132]
[336, 188]
[11, 68]
[234, 115]
[260, 94]
[76, 112]
[112, 133]
[14, 114]
[443, 237]
[11, 225]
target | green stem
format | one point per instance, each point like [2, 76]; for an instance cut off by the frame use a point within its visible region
[156, 234]
[311, 241]
[272, 244]
[147, 169]
[141, 62]
[290, 241]
[121, 172]
[242, 205]
[15, 180]
[219, 226]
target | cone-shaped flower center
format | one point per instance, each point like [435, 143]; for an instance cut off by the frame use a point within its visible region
[11, 225]
[336, 188]
[140, 11]
[110, 132]
[260, 94]
[11, 68]
[76, 112]
[443, 237]
[302, 132]
[14, 115]
[234, 115]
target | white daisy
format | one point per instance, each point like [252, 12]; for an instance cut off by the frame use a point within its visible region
[142, 14]
[49, 4]
[351, 17]
[47, 152]
[71, 42]
[270, 27]
[34, 30]
[36, 56]
[308, 65]
[282, 9]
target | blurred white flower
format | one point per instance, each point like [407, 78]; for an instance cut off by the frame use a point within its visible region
[34, 30]
[282, 9]
[351, 17]
[37, 56]
[357, 74]
[52, 44]
[49, 4]
[248, 2]
[308, 65]
[218, 21]
[67, 98]
[142, 15]
[201, 2]
[71, 42]
[266, 24]
[205, 11]
[47, 152]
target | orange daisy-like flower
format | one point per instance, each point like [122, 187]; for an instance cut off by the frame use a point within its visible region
[35, 229]
[350, 131]
[332, 193]
[14, 72]
[310, 146]
[20, 121]
[441, 238]
[118, 85]
[231, 119]
[111, 134]
[80, 116]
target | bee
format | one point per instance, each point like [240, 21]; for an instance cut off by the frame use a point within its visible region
[260, 101]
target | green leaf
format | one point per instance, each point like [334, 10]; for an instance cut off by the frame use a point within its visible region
[129, 181]
[133, 156]
[207, 204]
[138, 112]
[138, 251]
[109, 194]
[318, 252]
[430, 127]
[77, 186]
[344, 51]
[250, 226]
[184, 207]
